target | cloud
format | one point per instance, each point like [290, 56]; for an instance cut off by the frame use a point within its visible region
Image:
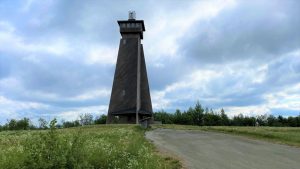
[250, 31]
[74, 114]
[250, 90]
[16, 109]
[11, 43]
[102, 55]
[177, 24]
[247, 110]
[58, 58]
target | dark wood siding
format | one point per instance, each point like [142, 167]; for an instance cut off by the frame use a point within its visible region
[124, 90]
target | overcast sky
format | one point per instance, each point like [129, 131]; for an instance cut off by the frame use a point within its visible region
[57, 57]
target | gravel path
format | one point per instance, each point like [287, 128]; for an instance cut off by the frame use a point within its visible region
[210, 150]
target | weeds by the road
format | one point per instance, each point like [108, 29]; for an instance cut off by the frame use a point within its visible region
[115, 146]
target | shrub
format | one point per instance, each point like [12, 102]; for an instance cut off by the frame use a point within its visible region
[101, 119]
[50, 149]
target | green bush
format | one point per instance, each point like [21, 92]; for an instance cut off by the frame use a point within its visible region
[51, 149]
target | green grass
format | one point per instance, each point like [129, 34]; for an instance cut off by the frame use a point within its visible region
[99, 146]
[282, 135]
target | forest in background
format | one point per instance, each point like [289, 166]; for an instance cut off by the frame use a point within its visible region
[196, 115]
[201, 116]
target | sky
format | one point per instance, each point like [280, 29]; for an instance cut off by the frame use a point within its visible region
[57, 58]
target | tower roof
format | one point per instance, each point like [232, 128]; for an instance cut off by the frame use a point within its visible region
[132, 21]
[132, 26]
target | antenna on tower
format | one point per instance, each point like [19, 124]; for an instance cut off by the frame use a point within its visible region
[131, 15]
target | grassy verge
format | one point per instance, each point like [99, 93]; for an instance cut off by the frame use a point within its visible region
[100, 146]
[281, 135]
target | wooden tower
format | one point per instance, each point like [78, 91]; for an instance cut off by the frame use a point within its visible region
[130, 100]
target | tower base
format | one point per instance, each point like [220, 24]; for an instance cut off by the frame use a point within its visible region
[129, 119]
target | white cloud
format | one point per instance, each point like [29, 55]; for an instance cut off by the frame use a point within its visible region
[198, 79]
[10, 108]
[288, 98]
[159, 101]
[188, 88]
[226, 85]
[10, 83]
[100, 54]
[99, 93]
[247, 110]
[260, 74]
[165, 28]
[12, 43]
[74, 114]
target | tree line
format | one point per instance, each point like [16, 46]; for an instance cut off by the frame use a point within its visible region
[196, 115]
[200, 116]
[26, 124]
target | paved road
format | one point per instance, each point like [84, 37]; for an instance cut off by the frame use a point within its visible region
[210, 150]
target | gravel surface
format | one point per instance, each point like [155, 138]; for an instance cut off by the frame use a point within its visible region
[210, 150]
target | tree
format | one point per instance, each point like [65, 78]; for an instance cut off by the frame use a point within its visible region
[191, 117]
[272, 121]
[249, 121]
[101, 119]
[238, 120]
[298, 120]
[43, 124]
[177, 117]
[12, 124]
[164, 117]
[68, 124]
[185, 119]
[23, 124]
[292, 121]
[282, 121]
[224, 118]
[198, 111]
[262, 120]
[86, 119]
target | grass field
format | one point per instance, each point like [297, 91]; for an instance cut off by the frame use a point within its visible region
[281, 135]
[109, 146]
[99, 146]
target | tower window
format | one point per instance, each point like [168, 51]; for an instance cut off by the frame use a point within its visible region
[124, 41]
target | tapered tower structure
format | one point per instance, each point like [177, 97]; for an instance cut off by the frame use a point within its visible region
[130, 100]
